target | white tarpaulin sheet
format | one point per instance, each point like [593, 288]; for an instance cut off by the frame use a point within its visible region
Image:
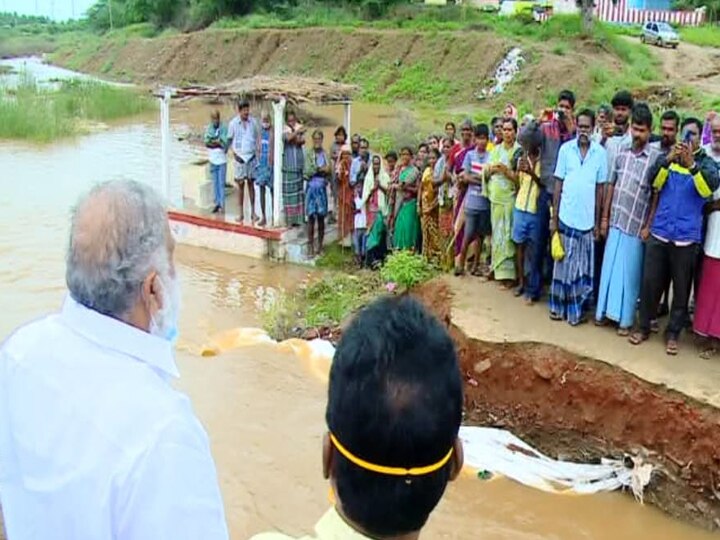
[500, 452]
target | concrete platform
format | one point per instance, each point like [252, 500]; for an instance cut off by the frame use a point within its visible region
[196, 225]
[485, 312]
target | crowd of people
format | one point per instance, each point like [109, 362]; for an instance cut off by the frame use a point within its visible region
[617, 223]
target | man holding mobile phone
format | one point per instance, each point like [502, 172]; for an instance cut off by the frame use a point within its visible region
[683, 182]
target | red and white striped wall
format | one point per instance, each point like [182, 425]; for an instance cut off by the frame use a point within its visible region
[606, 11]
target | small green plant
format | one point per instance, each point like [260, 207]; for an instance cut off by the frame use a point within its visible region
[325, 302]
[560, 48]
[406, 270]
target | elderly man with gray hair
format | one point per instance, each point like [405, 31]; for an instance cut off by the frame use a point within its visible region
[95, 444]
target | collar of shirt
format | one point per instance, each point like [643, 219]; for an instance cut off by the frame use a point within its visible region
[592, 148]
[119, 336]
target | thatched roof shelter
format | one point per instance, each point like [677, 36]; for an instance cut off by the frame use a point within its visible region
[295, 90]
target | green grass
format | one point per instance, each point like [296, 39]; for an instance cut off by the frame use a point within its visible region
[40, 115]
[336, 257]
[705, 36]
[322, 303]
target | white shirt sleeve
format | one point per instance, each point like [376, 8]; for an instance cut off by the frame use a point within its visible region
[172, 492]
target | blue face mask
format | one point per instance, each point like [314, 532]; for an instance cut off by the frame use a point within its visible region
[164, 324]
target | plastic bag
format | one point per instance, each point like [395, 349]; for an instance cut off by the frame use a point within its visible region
[556, 247]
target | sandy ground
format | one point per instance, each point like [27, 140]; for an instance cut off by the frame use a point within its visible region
[485, 312]
[691, 65]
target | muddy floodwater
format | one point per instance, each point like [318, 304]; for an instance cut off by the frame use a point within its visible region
[263, 409]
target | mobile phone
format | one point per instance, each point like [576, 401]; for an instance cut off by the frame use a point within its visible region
[688, 136]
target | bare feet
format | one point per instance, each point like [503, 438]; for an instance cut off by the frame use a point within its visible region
[671, 348]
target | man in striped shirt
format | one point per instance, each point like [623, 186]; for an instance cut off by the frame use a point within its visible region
[625, 215]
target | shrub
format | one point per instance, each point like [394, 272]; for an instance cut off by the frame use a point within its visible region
[406, 270]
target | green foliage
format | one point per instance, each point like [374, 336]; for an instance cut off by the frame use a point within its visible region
[705, 36]
[406, 269]
[321, 303]
[41, 115]
[336, 257]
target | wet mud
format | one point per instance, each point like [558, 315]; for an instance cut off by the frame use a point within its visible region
[576, 408]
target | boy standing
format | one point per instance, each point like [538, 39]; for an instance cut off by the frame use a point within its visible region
[477, 205]
[216, 142]
[360, 228]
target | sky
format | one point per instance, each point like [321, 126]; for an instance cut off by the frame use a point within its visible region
[58, 9]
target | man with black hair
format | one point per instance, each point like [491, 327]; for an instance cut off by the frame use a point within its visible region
[497, 129]
[616, 136]
[526, 225]
[555, 133]
[669, 128]
[580, 174]
[360, 164]
[477, 205]
[684, 181]
[244, 136]
[355, 145]
[393, 416]
[626, 213]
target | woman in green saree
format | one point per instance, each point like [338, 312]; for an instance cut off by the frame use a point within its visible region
[375, 191]
[406, 233]
[501, 192]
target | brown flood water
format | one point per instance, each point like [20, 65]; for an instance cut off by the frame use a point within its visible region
[263, 409]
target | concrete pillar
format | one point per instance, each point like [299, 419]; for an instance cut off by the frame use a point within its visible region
[169, 186]
[348, 116]
[278, 127]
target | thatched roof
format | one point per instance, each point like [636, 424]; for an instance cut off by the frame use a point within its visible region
[295, 90]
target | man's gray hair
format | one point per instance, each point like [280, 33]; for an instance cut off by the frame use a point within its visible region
[119, 235]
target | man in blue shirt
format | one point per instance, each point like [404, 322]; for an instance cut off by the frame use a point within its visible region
[580, 175]
[684, 181]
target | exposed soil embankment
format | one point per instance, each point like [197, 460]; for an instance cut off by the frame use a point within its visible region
[582, 409]
[394, 64]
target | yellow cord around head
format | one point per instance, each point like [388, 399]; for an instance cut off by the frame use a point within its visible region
[390, 471]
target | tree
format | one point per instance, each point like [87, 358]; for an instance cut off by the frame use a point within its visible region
[586, 15]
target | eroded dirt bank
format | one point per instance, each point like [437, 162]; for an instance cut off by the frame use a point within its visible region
[383, 62]
[578, 408]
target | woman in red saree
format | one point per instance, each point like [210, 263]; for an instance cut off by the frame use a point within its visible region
[345, 195]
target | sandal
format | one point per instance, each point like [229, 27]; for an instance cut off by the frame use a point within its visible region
[580, 321]
[600, 322]
[555, 317]
[638, 337]
[708, 353]
[671, 348]
[519, 290]
[623, 332]
[459, 271]
[655, 326]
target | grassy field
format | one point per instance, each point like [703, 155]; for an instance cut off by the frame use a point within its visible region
[705, 36]
[41, 115]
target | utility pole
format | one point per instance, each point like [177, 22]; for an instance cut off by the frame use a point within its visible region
[72, 8]
[110, 11]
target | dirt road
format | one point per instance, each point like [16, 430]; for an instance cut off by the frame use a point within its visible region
[691, 65]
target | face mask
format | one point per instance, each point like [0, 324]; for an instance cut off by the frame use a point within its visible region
[164, 323]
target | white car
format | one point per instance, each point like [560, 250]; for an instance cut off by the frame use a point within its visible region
[660, 33]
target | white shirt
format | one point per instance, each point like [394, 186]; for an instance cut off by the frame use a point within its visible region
[361, 216]
[94, 442]
[244, 137]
